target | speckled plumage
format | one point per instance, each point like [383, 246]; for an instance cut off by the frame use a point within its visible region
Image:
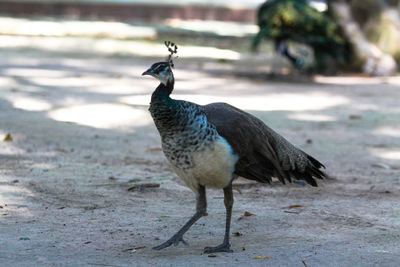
[187, 135]
[208, 146]
[187, 128]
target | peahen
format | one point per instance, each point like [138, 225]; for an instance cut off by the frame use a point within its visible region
[211, 145]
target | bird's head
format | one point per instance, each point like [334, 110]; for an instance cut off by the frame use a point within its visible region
[162, 71]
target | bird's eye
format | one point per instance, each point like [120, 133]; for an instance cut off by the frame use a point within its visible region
[160, 68]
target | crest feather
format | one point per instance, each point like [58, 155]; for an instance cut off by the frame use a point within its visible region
[172, 49]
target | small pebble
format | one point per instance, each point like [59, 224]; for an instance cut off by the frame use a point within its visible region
[355, 117]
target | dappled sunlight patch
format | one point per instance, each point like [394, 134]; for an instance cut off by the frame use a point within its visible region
[70, 81]
[29, 103]
[285, 101]
[136, 100]
[113, 46]
[12, 201]
[44, 165]
[221, 28]
[311, 117]
[200, 84]
[112, 29]
[388, 131]
[208, 52]
[35, 72]
[352, 80]
[387, 154]
[6, 83]
[147, 49]
[104, 115]
[121, 88]
[367, 107]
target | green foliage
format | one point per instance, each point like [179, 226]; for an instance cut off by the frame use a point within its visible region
[296, 20]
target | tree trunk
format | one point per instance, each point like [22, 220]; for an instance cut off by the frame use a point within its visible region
[372, 60]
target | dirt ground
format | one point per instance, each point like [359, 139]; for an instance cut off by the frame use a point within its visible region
[82, 137]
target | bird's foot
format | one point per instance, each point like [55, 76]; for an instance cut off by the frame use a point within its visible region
[224, 247]
[173, 240]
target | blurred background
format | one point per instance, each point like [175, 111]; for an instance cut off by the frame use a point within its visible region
[315, 36]
[76, 134]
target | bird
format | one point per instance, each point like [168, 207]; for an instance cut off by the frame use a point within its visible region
[282, 48]
[297, 21]
[208, 146]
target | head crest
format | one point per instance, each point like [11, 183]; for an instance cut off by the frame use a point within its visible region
[173, 49]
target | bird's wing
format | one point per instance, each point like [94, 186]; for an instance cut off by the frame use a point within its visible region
[263, 153]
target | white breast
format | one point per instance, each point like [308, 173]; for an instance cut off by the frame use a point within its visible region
[212, 167]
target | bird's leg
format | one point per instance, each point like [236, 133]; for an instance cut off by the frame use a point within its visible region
[228, 201]
[201, 208]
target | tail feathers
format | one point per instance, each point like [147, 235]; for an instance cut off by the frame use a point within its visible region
[309, 173]
[315, 162]
[264, 170]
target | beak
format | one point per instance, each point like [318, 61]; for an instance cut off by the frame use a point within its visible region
[148, 72]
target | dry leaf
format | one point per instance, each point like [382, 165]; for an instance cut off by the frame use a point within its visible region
[245, 214]
[141, 187]
[131, 161]
[8, 138]
[154, 149]
[254, 191]
[237, 189]
[262, 257]
[295, 206]
[237, 234]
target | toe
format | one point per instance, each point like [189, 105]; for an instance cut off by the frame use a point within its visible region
[163, 245]
[220, 248]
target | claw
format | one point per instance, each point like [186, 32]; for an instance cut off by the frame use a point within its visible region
[173, 240]
[163, 245]
[220, 248]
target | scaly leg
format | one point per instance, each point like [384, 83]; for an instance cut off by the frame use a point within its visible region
[201, 208]
[228, 201]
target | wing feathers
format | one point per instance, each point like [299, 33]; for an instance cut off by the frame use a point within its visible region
[263, 153]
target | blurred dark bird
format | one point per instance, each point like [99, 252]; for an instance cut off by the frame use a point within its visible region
[211, 145]
[296, 20]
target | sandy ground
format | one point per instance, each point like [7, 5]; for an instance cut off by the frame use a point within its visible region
[82, 136]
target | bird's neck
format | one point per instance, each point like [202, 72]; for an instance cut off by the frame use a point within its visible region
[163, 91]
[163, 108]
